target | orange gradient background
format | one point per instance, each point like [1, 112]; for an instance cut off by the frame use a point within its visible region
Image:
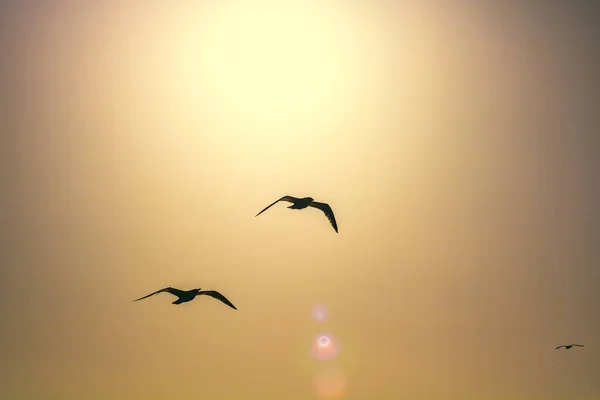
[457, 143]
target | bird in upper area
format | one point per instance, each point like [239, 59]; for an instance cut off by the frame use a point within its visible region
[183, 296]
[567, 347]
[299, 204]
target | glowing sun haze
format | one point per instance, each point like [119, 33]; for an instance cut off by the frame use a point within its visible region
[288, 61]
[259, 68]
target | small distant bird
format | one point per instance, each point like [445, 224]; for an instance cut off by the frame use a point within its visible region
[183, 296]
[299, 204]
[568, 346]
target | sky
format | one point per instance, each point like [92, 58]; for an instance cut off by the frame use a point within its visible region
[457, 143]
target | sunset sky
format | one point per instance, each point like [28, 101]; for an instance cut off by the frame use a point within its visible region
[458, 144]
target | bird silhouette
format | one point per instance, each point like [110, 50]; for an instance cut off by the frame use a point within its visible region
[183, 296]
[568, 346]
[299, 204]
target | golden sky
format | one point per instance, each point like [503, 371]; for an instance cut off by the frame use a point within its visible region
[457, 143]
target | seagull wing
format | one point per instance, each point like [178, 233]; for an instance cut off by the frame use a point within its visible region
[171, 290]
[328, 212]
[559, 347]
[578, 345]
[284, 198]
[216, 295]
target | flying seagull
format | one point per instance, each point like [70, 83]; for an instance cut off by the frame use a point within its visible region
[567, 347]
[183, 296]
[299, 204]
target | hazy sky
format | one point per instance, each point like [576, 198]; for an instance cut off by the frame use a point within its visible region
[457, 143]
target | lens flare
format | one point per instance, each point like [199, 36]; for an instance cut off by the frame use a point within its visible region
[330, 384]
[319, 313]
[324, 341]
[325, 347]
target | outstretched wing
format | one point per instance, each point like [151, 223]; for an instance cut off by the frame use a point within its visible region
[216, 295]
[559, 347]
[284, 198]
[171, 290]
[578, 345]
[328, 212]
